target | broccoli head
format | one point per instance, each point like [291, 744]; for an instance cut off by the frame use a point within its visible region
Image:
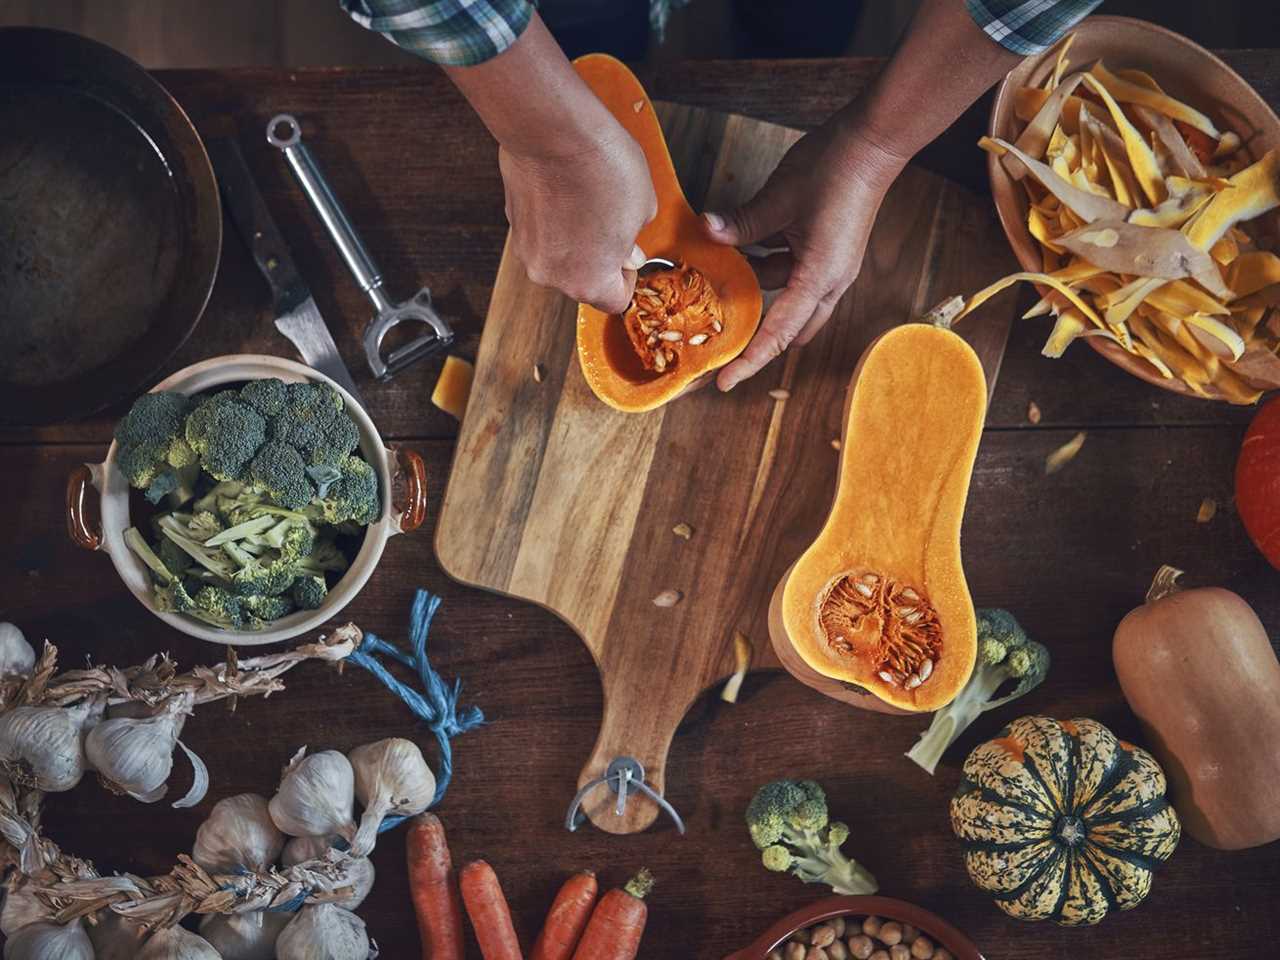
[1005, 655]
[353, 496]
[268, 396]
[151, 447]
[266, 608]
[309, 592]
[279, 471]
[217, 606]
[789, 823]
[259, 575]
[312, 420]
[225, 433]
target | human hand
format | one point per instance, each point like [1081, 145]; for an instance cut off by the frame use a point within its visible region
[575, 215]
[820, 202]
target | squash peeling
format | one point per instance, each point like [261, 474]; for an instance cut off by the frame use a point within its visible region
[1252, 271]
[1145, 168]
[1035, 139]
[1127, 92]
[1126, 248]
[1254, 191]
[1088, 206]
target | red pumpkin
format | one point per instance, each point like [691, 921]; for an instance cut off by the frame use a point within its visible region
[1258, 481]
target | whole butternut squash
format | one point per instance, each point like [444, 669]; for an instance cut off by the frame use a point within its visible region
[1198, 670]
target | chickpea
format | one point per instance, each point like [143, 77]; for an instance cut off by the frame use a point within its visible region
[838, 925]
[816, 953]
[800, 936]
[871, 926]
[774, 954]
[837, 950]
[794, 951]
[880, 955]
[909, 934]
[899, 951]
[891, 933]
[822, 935]
[922, 949]
[942, 953]
[860, 947]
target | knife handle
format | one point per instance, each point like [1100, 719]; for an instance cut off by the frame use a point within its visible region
[254, 222]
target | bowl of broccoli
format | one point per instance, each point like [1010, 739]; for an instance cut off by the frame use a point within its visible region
[247, 499]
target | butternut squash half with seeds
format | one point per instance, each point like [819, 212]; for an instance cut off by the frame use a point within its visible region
[879, 600]
[682, 323]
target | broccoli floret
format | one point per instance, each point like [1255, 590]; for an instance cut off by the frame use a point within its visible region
[151, 447]
[217, 606]
[160, 571]
[266, 609]
[325, 557]
[309, 592]
[279, 471]
[353, 496]
[176, 560]
[203, 525]
[295, 542]
[223, 490]
[788, 822]
[1005, 653]
[268, 396]
[211, 558]
[174, 598]
[259, 576]
[225, 433]
[313, 421]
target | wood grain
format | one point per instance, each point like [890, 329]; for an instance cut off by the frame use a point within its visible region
[558, 499]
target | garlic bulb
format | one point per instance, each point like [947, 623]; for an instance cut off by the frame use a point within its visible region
[40, 746]
[301, 849]
[21, 906]
[137, 755]
[49, 941]
[359, 877]
[177, 943]
[391, 778]
[322, 931]
[238, 833]
[16, 655]
[244, 936]
[115, 938]
[316, 796]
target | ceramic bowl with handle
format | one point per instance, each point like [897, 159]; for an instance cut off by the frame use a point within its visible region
[934, 927]
[398, 470]
[1184, 70]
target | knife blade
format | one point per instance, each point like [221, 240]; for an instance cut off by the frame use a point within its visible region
[296, 313]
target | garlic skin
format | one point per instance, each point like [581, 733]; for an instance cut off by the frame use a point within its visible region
[244, 936]
[316, 796]
[359, 877]
[137, 755]
[17, 658]
[41, 746]
[301, 849]
[21, 906]
[115, 938]
[322, 931]
[238, 833]
[177, 943]
[49, 941]
[391, 778]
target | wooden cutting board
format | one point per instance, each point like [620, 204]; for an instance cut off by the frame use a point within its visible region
[558, 499]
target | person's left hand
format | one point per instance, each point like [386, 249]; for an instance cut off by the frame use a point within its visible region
[820, 202]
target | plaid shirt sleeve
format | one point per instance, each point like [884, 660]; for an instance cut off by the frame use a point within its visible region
[456, 33]
[1028, 26]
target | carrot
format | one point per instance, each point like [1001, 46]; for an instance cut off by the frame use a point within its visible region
[435, 898]
[489, 913]
[566, 919]
[616, 925]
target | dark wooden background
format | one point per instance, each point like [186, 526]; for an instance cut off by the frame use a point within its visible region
[1070, 554]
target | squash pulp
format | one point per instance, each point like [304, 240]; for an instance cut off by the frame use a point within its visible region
[879, 600]
[620, 371]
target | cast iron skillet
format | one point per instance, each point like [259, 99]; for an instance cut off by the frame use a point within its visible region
[110, 226]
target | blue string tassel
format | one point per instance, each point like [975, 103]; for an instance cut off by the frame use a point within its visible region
[436, 703]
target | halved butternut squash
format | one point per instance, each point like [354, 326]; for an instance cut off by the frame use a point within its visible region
[622, 370]
[879, 600]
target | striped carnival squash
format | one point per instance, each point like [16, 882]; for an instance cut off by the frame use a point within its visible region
[1062, 821]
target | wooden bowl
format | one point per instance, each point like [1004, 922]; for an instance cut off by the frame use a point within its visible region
[938, 930]
[1184, 69]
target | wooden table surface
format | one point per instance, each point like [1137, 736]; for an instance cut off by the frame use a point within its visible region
[1070, 554]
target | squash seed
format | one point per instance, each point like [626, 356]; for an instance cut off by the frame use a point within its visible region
[682, 530]
[1208, 510]
[1033, 413]
[668, 598]
[836, 444]
[779, 393]
[697, 339]
[638, 106]
[538, 373]
[671, 336]
[1064, 454]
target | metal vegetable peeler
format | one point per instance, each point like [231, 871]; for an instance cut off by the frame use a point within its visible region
[625, 776]
[284, 133]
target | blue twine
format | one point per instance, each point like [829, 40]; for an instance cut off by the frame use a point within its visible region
[436, 703]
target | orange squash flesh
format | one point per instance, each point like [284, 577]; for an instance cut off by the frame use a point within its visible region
[881, 592]
[609, 362]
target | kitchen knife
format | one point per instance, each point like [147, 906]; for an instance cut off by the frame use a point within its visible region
[297, 316]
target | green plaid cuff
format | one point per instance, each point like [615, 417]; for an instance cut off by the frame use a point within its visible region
[1028, 26]
[455, 33]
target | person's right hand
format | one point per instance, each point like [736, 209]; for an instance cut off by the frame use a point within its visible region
[575, 215]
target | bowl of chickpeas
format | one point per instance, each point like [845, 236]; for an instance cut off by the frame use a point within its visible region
[861, 928]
